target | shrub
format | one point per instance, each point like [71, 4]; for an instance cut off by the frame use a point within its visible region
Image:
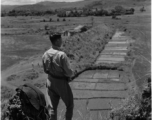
[50, 19]
[135, 107]
[46, 27]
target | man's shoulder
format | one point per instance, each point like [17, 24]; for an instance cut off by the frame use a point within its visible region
[61, 52]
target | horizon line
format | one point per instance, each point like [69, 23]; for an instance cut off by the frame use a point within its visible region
[63, 1]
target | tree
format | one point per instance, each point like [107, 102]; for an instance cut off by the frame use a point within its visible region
[119, 10]
[50, 19]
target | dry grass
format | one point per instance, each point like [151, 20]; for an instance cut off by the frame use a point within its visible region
[83, 49]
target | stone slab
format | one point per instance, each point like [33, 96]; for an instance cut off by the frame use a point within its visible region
[114, 53]
[110, 56]
[87, 74]
[85, 80]
[105, 61]
[90, 94]
[118, 42]
[110, 86]
[103, 104]
[80, 107]
[115, 79]
[111, 59]
[120, 53]
[114, 74]
[121, 38]
[116, 48]
[117, 45]
[82, 86]
[99, 115]
[109, 94]
[100, 74]
[111, 80]
[82, 94]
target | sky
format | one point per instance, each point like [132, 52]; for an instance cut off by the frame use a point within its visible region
[22, 2]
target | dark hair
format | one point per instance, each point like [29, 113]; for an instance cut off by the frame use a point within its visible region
[54, 37]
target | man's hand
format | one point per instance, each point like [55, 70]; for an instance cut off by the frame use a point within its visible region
[74, 75]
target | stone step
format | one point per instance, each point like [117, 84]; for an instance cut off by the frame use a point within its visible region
[113, 53]
[100, 74]
[107, 61]
[114, 74]
[118, 42]
[117, 45]
[89, 80]
[119, 59]
[103, 104]
[110, 86]
[91, 94]
[111, 56]
[98, 86]
[99, 115]
[116, 48]
[99, 80]
[117, 51]
[121, 38]
[87, 74]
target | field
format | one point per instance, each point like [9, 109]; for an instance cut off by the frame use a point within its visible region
[25, 39]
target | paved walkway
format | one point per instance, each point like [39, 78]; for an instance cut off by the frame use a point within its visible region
[96, 92]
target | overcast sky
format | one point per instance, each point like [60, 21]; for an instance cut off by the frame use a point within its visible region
[22, 2]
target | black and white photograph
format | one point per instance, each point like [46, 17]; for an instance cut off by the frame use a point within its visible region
[75, 60]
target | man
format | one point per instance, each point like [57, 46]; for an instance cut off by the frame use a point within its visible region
[56, 65]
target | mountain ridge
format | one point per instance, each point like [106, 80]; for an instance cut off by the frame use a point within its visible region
[49, 5]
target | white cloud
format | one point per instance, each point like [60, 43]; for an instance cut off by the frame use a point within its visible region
[22, 2]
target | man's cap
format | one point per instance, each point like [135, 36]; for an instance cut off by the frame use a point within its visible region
[55, 35]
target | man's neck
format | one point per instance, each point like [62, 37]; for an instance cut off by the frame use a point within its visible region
[55, 47]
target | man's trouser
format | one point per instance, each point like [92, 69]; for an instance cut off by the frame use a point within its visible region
[56, 89]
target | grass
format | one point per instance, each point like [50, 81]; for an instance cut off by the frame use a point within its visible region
[77, 47]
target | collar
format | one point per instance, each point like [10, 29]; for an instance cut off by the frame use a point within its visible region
[55, 47]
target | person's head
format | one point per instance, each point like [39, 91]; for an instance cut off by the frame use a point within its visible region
[56, 39]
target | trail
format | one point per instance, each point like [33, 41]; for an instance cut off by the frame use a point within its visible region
[101, 90]
[96, 92]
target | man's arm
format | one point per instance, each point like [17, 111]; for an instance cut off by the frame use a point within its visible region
[66, 66]
[45, 63]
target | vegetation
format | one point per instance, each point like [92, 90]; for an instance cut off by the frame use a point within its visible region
[72, 12]
[135, 107]
[76, 47]
[118, 10]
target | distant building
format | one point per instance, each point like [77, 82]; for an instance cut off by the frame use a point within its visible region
[94, 9]
[66, 33]
[80, 11]
[68, 13]
[78, 29]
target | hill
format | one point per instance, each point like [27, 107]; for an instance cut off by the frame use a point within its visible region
[8, 8]
[47, 5]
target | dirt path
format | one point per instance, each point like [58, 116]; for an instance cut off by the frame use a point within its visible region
[96, 92]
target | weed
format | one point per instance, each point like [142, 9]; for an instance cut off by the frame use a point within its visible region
[135, 107]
